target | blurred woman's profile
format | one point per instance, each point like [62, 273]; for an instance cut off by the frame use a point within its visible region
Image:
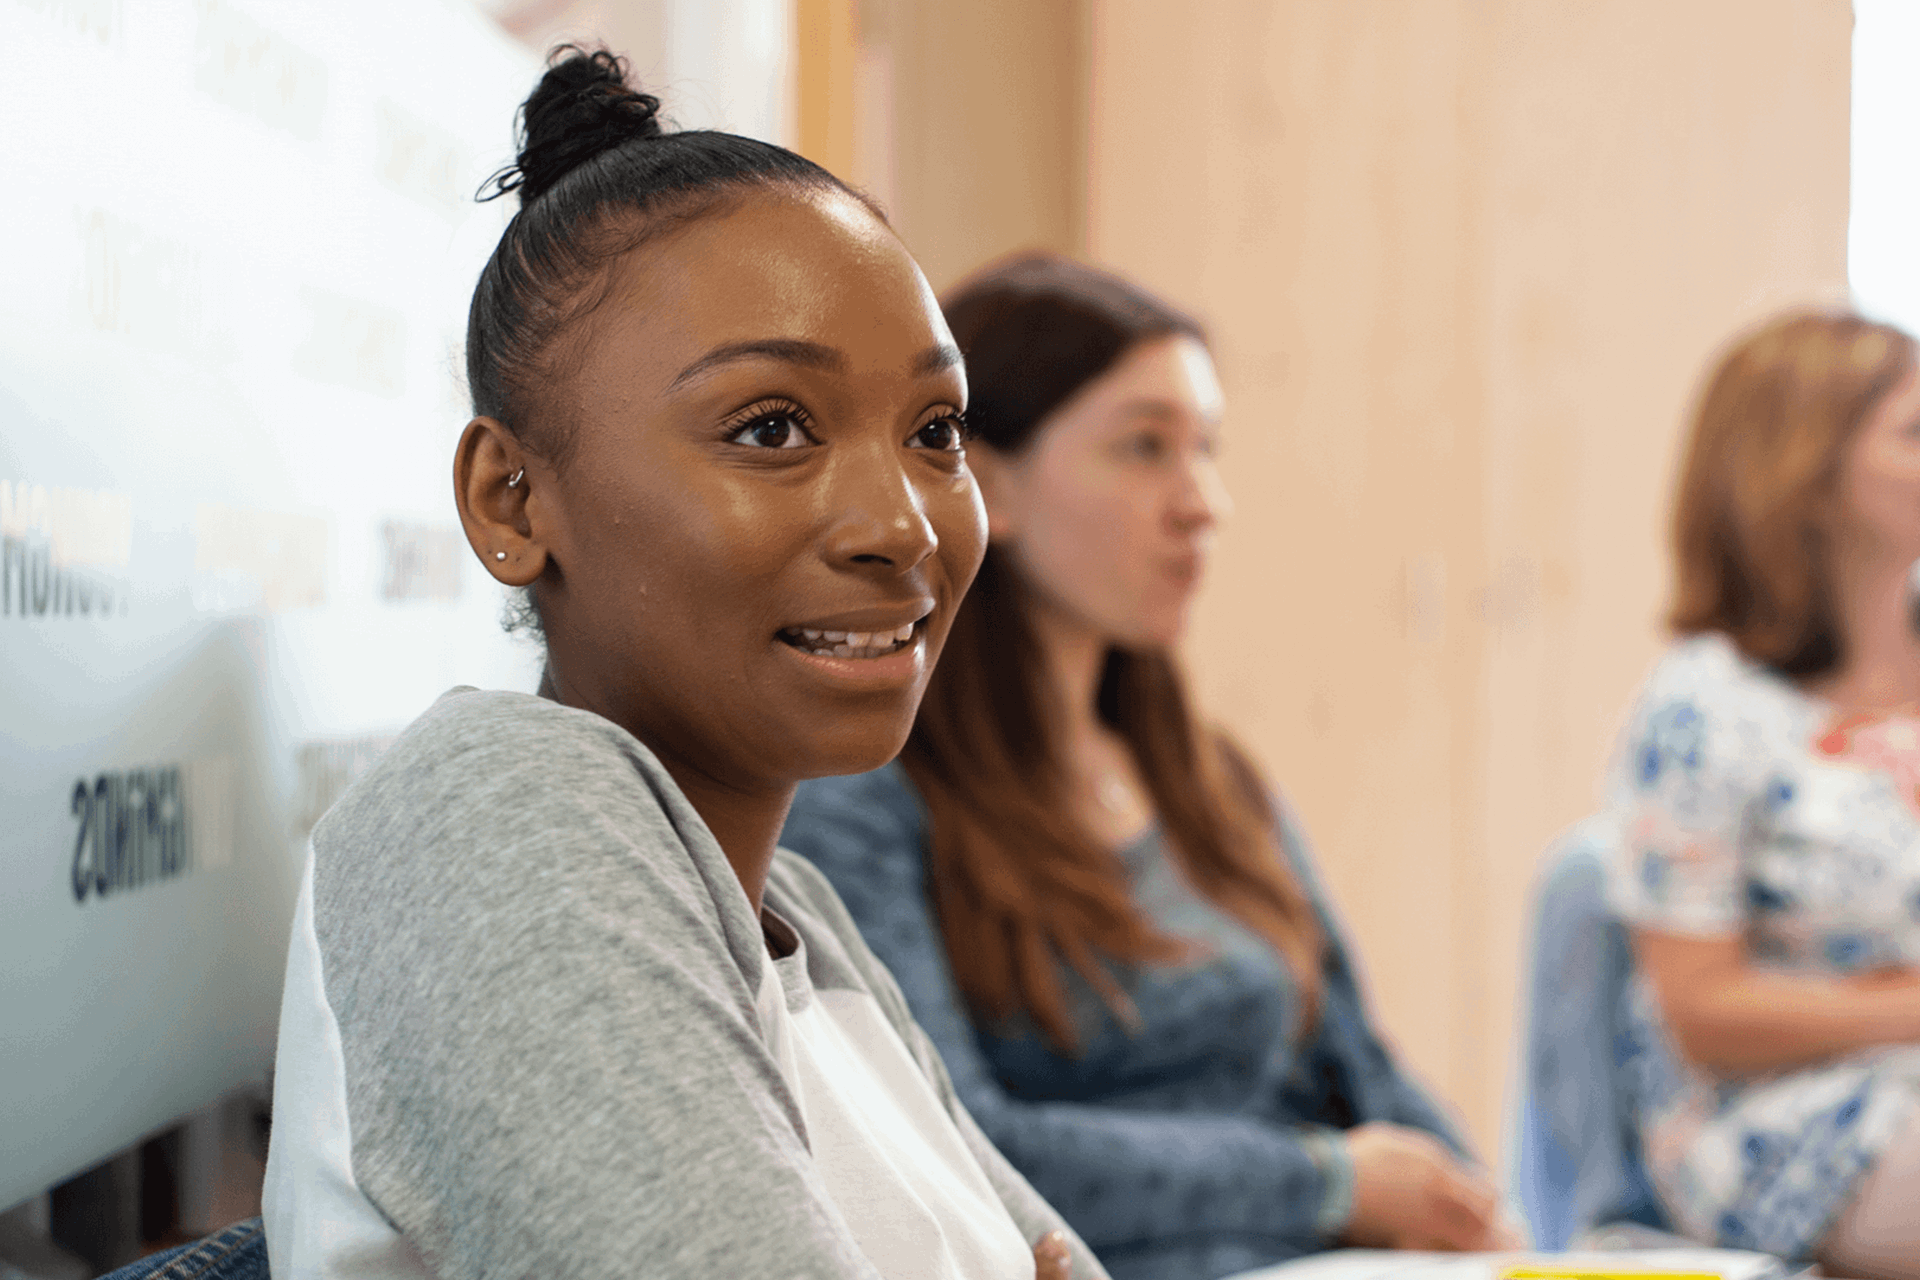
[1095, 906]
[1767, 798]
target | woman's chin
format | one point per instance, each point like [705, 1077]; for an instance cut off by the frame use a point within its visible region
[855, 749]
[1153, 635]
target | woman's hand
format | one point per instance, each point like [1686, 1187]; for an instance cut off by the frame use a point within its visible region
[1409, 1192]
[1051, 1261]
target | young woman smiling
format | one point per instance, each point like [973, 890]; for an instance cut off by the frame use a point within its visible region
[554, 1004]
[1093, 906]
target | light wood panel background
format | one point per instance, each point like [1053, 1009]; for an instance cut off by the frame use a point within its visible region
[1463, 261]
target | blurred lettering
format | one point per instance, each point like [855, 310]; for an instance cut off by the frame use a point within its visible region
[325, 770]
[131, 831]
[139, 286]
[63, 552]
[245, 66]
[267, 560]
[98, 19]
[417, 160]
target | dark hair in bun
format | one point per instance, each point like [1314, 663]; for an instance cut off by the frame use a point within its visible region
[581, 107]
[596, 176]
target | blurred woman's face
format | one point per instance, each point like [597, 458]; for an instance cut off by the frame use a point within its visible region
[765, 522]
[1880, 473]
[1110, 509]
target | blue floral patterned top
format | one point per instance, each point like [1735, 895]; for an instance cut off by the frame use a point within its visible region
[1746, 807]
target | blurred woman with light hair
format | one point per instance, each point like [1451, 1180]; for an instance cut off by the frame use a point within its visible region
[1768, 801]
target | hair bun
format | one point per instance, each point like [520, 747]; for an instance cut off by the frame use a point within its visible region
[582, 106]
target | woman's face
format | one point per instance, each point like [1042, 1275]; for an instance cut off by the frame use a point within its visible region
[1109, 511]
[754, 547]
[1880, 473]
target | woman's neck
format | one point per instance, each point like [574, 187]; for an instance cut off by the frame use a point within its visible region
[1072, 654]
[1104, 789]
[746, 826]
[1881, 669]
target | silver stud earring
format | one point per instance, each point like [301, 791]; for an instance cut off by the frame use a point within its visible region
[499, 555]
[515, 482]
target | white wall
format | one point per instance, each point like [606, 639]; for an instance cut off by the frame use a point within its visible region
[240, 244]
[1883, 247]
[715, 64]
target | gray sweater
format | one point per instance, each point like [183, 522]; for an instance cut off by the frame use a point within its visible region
[519, 1035]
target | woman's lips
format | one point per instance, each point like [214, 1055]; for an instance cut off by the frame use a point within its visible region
[850, 644]
[894, 664]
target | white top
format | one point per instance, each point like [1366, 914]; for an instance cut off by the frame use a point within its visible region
[912, 1194]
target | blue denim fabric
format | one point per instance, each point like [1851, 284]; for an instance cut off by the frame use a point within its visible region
[1578, 1166]
[238, 1253]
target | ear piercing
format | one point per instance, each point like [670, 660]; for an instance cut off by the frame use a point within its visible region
[513, 482]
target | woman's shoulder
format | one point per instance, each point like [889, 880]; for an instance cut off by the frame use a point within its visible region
[1703, 688]
[1720, 718]
[485, 740]
[1709, 666]
[483, 774]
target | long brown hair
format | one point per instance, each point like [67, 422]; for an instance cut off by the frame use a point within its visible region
[1752, 524]
[1019, 886]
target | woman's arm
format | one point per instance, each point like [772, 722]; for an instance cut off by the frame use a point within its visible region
[1711, 756]
[1123, 1178]
[538, 961]
[1734, 1019]
[1349, 1072]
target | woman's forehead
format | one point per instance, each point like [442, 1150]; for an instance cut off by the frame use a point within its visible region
[801, 265]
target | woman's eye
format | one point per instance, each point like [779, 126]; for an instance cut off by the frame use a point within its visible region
[948, 435]
[1147, 446]
[773, 431]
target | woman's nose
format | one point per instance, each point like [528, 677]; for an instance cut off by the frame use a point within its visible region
[1201, 500]
[878, 516]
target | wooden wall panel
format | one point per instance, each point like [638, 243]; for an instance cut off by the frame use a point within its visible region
[1464, 260]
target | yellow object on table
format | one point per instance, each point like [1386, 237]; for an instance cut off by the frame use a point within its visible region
[1534, 1271]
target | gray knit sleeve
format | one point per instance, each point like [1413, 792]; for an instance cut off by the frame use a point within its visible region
[543, 972]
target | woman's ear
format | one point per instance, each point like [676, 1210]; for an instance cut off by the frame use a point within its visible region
[500, 489]
[999, 480]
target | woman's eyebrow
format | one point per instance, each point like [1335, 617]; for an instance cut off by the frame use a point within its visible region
[791, 350]
[813, 355]
[938, 358]
[1161, 411]
[1148, 408]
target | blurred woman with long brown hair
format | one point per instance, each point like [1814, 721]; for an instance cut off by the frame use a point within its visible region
[1092, 902]
[1767, 800]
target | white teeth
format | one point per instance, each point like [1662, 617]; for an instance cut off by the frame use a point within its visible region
[854, 644]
